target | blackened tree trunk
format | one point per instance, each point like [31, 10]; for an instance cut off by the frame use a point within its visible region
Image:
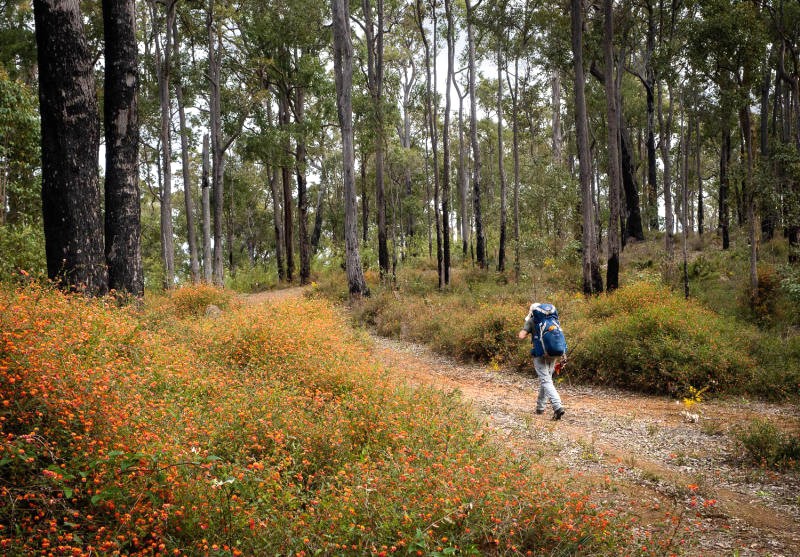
[277, 222]
[343, 72]
[614, 167]
[633, 221]
[592, 281]
[480, 240]
[122, 219]
[649, 85]
[501, 167]
[699, 172]
[73, 227]
[724, 185]
[302, 193]
[364, 200]
[208, 265]
[286, 181]
[191, 237]
[316, 235]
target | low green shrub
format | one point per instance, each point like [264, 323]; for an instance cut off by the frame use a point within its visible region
[767, 445]
[645, 338]
[252, 279]
[22, 247]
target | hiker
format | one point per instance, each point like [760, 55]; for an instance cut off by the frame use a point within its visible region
[549, 347]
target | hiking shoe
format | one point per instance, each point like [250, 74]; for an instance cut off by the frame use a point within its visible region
[558, 413]
[540, 411]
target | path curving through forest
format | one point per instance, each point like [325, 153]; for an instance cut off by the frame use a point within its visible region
[634, 452]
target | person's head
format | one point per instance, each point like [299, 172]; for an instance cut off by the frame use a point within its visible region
[532, 309]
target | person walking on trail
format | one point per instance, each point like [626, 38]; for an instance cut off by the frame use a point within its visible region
[549, 346]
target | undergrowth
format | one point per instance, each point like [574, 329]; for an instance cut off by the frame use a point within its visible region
[268, 430]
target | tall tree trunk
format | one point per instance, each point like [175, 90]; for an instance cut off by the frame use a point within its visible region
[217, 146]
[515, 132]
[592, 281]
[770, 216]
[277, 222]
[446, 143]
[555, 101]
[70, 141]
[208, 266]
[316, 235]
[745, 120]
[462, 175]
[501, 169]
[122, 220]
[164, 61]
[724, 185]
[408, 85]
[374, 41]
[633, 221]
[699, 172]
[666, 133]
[649, 85]
[364, 200]
[191, 237]
[614, 172]
[432, 124]
[343, 72]
[286, 180]
[302, 194]
[480, 240]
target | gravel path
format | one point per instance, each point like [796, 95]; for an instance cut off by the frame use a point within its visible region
[644, 445]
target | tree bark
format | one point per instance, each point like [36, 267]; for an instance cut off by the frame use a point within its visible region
[302, 193]
[364, 200]
[286, 181]
[446, 143]
[614, 167]
[374, 40]
[592, 281]
[666, 131]
[191, 237]
[217, 146]
[649, 85]
[343, 71]
[164, 61]
[515, 132]
[480, 240]
[501, 169]
[208, 265]
[555, 101]
[699, 172]
[462, 175]
[73, 227]
[633, 221]
[122, 218]
[749, 197]
[724, 185]
[316, 235]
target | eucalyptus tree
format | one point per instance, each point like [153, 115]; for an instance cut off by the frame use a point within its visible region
[343, 72]
[480, 240]
[431, 105]
[191, 237]
[592, 281]
[122, 211]
[450, 36]
[612, 124]
[70, 144]
[374, 31]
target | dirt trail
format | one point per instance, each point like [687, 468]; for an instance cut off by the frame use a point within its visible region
[630, 448]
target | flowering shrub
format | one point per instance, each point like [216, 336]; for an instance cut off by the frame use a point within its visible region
[192, 300]
[267, 430]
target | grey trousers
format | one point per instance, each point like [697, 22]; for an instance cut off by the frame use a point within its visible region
[545, 366]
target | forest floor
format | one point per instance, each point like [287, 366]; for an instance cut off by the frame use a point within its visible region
[634, 452]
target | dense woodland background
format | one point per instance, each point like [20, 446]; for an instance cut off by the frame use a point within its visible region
[502, 134]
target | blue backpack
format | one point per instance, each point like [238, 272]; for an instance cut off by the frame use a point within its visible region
[548, 337]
